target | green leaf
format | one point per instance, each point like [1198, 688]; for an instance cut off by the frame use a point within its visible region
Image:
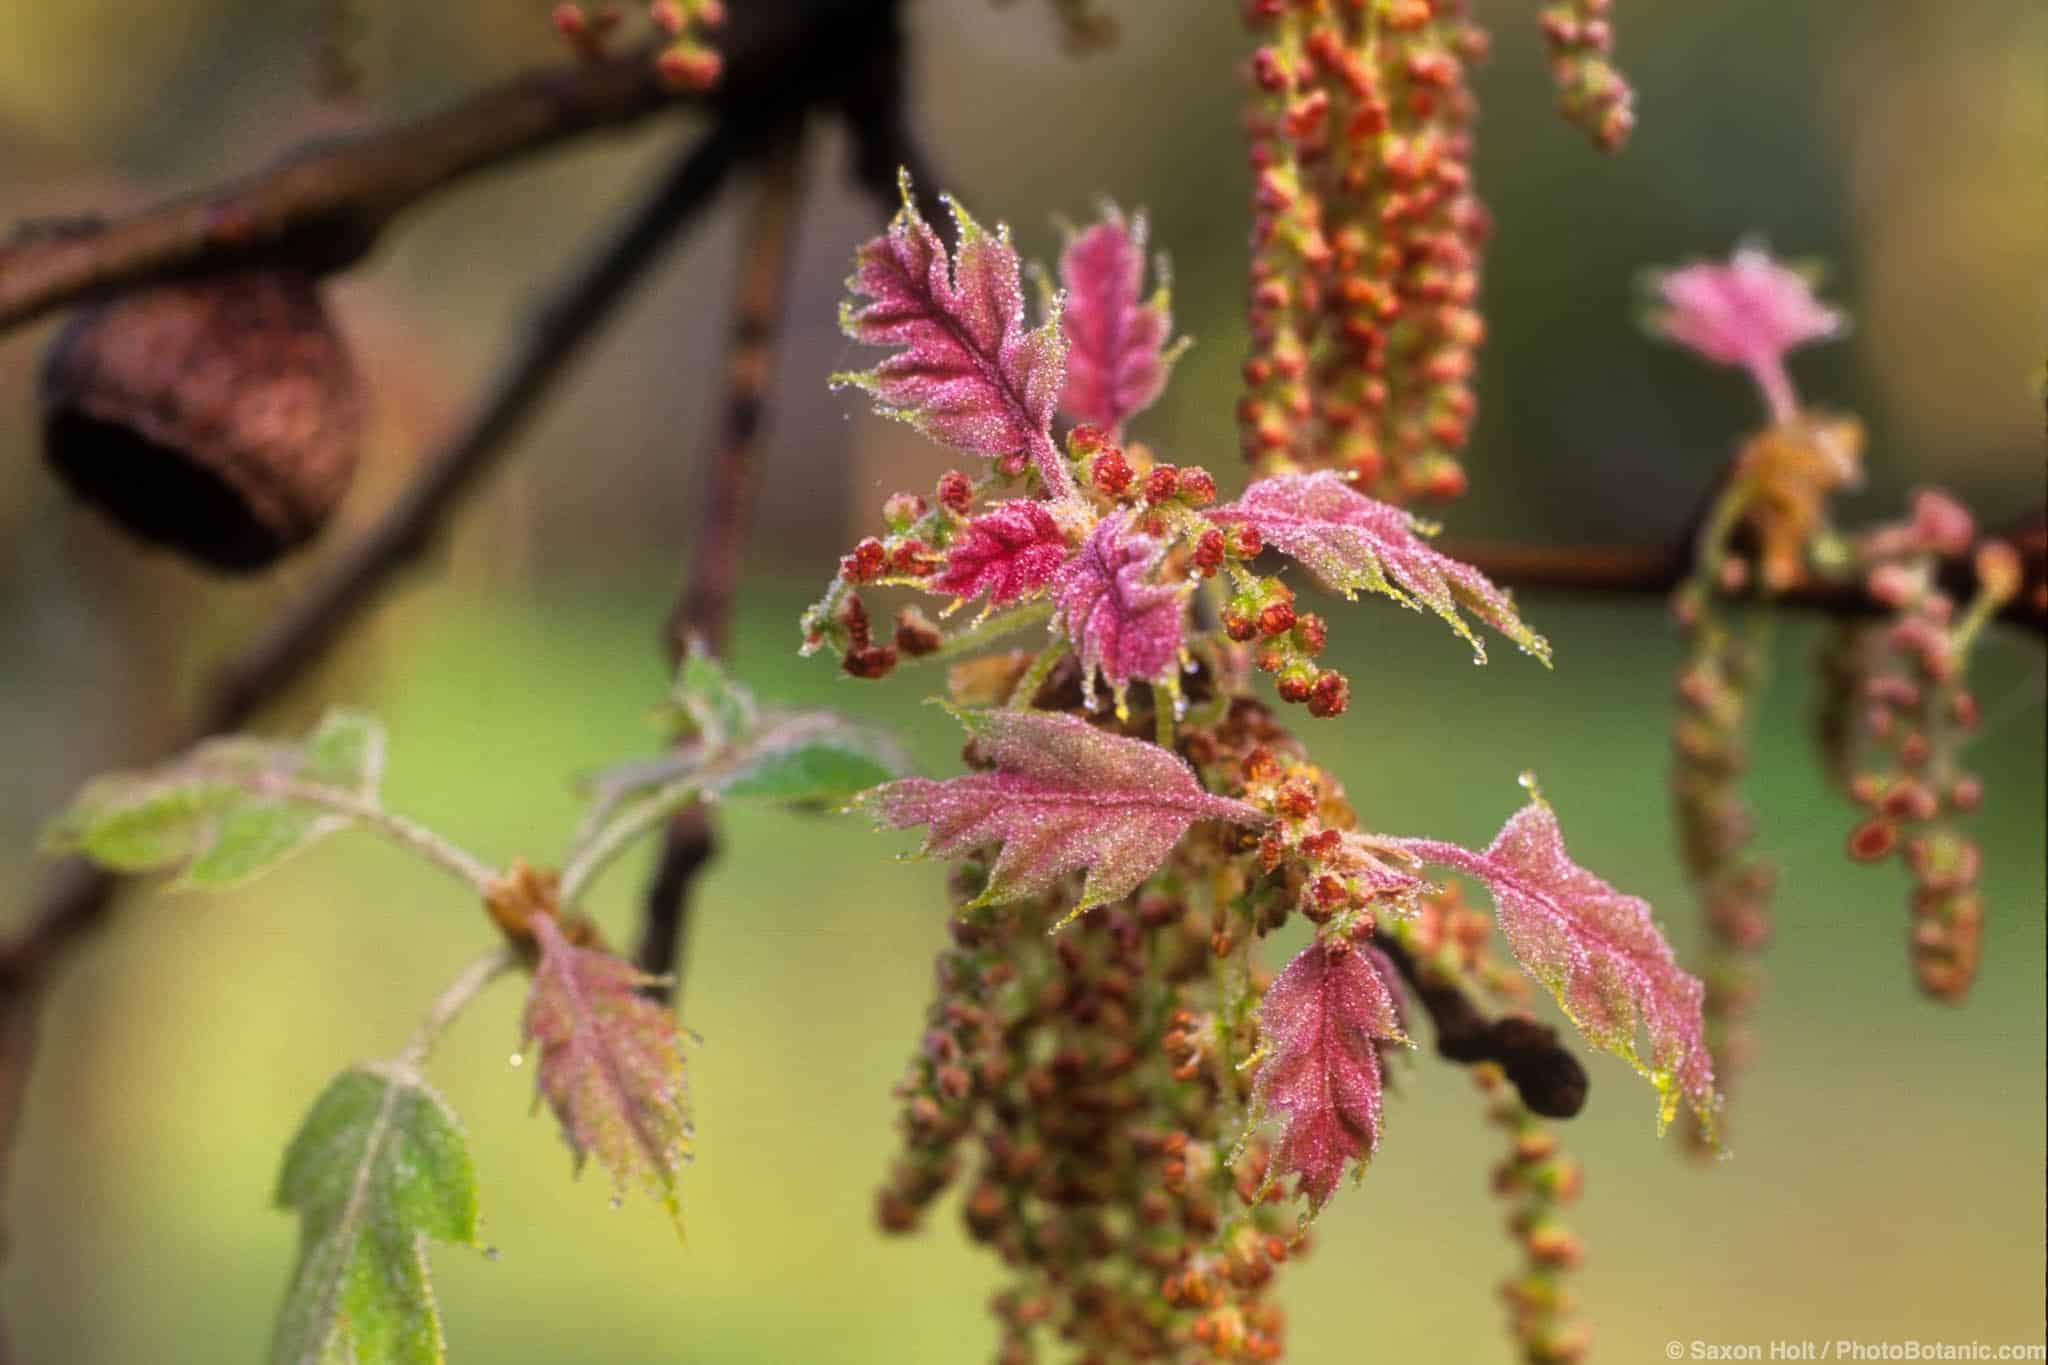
[207, 809]
[716, 706]
[801, 758]
[379, 1167]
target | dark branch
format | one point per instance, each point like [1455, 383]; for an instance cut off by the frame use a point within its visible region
[325, 204]
[703, 609]
[1543, 1071]
[1653, 571]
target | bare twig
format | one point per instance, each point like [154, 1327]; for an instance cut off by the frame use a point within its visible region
[1543, 1071]
[703, 610]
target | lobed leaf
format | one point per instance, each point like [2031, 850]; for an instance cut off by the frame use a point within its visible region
[1597, 950]
[967, 370]
[1008, 552]
[611, 1064]
[1124, 625]
[1117, 360]
[1350, 542]
[378, 1169]
[1062, 796]
[1323, 1021]
[206, 810]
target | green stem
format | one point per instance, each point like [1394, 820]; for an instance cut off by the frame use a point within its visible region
[1035, 676]
[449, 857]
[583, 865]
[453, 999]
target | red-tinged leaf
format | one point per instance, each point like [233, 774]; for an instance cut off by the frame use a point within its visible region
[967, 370]
[1597, 950]
[1124, 625]
[1008, 552]
[611, 1064]
[1351, 542]
[1322, 1021]
[1116, 339]
[1062, 796]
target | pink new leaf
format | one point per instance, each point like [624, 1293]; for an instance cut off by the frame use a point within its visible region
[1009, 551]
[1123, 624]
[967, 370]
[1351, 542]
[1061, 795]
[1322, 1021]
[1749, 312]
[611, 1064]
[1597, 950]
[1116, 339]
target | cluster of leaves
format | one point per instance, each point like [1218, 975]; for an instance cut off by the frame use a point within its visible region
[1202, 811]
[1110, 545]
[380, 1167]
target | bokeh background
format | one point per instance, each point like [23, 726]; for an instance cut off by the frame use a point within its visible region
[1888, 1181]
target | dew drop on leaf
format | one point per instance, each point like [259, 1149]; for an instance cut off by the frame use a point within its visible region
[518, 1059]
[490, 1253]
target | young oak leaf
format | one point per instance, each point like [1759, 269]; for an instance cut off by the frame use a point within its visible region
[379, 1168]
[1323, 1021]
[1117, 359]
[967, 370]
[1351, 542]
[1597, 950]
[611, 1065]
[215, 810]
[1008, 552]
[1061, 795]
[1124, 625]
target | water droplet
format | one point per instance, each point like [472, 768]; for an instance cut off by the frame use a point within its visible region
[618, 1201]
[689, 1130]
[1180, 706]
[490, 1253]
[518, 1059]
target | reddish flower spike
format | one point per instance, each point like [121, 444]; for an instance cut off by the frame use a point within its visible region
[1116, 340]
[1322, 1020]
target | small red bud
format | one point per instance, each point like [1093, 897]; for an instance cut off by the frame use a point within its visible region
[1162, 483]
[1330, 696]
[956, 492]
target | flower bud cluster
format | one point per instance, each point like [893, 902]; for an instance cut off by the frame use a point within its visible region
[1367, 234]
[1540, 1180]
[1366, 242]
[686, 61]
[916, 530]
[1591, 94]
[1285, 643]
[1088, 1089]
[1901, 711]
[1718, 687]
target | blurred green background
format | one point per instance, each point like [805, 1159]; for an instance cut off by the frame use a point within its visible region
[1888, 1178]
